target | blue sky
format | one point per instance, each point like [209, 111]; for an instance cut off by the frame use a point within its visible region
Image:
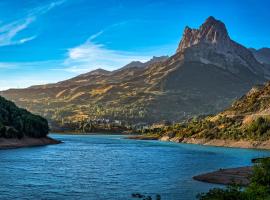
[45, 41]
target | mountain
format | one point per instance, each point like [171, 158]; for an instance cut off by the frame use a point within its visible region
[145, 64]
[262, 55]
[207, 72]
[211, 44]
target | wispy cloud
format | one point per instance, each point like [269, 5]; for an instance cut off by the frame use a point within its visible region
[10, 30]
[24, 40]
[91, 55]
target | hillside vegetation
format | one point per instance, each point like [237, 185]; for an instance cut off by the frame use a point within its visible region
[248, 118]
[17, 123]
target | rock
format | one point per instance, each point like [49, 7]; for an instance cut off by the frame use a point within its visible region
[165, 138]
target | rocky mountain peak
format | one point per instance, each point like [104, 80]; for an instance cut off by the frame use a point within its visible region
[211, 44]
[211, 31]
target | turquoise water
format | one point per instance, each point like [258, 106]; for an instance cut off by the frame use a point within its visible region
[109, 167]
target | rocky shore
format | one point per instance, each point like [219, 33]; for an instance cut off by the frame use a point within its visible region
[229, 176]
[221, 143]
[26, 142]
[142, 137]
[248, 144]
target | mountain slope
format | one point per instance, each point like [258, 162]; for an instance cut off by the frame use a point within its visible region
[247, 119]
[262, 55]
[205, 75]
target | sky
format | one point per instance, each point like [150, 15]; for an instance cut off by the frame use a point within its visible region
[45, 41]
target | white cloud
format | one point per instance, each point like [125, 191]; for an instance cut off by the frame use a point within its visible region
[91, 55]
[9, 30]
[46, 8]
[24, 40]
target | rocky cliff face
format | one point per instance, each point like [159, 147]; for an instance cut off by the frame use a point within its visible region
[211, 44]
[208, 71]
[212, 32]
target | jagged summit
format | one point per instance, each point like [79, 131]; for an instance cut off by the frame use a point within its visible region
[211, 31]
[211, 44]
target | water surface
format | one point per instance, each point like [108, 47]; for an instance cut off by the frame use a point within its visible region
[103, 167]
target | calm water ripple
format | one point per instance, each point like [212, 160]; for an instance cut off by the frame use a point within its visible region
[108, 167]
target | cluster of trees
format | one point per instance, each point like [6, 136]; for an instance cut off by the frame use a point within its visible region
[220, 128]
[258, 189]
[89, 126]
[259, 129]
[17, 123]
[134, 112]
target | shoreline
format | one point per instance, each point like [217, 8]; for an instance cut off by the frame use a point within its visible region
[244, 144]
[81, 133]
[14, 143]
[227, 176]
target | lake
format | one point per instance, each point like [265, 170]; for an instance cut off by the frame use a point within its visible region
[100, 167]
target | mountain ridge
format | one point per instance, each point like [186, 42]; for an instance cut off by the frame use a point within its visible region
[200, 78]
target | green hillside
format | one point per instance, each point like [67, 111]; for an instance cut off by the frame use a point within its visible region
[248, 118]
[17, 123]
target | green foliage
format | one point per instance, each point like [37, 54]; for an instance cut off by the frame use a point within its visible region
[261, 173]
[16, 122]
[259, 188]
[222, 127]
[230, 193]
[259, 128]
